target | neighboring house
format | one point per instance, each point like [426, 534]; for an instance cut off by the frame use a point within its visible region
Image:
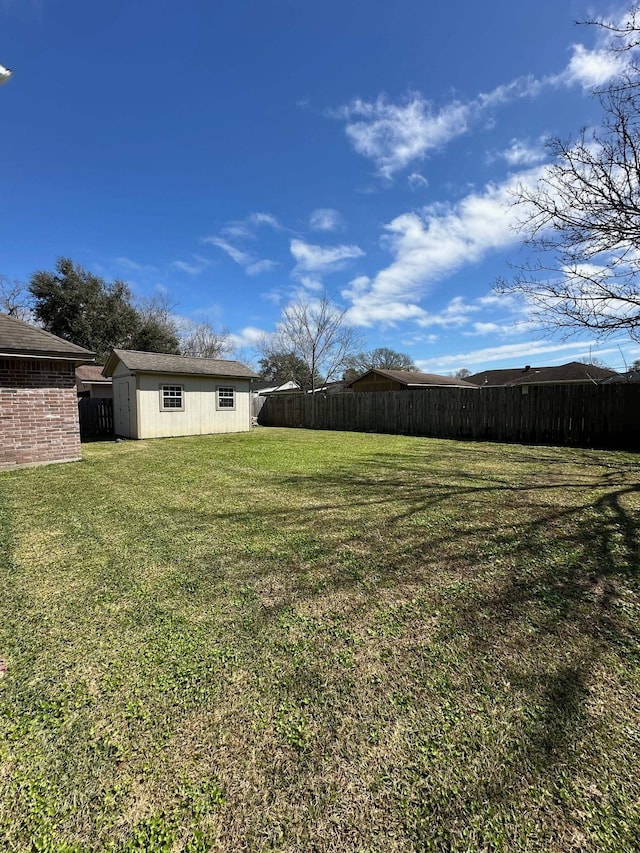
[38, 400]
[261, 389]
[632, 376]
[336, 387]
[157, 395]
[573, 373]
[402, 380]
[90, 382]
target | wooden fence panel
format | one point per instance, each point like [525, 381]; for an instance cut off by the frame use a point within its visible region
[96, 417]
[572, 415]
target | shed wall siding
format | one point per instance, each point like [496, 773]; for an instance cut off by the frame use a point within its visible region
[38, 412]
[200, 415]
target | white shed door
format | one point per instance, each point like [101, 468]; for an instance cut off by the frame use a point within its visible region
[125, 394]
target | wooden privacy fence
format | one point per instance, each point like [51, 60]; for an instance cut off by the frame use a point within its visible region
[96, 417]
[580, 415]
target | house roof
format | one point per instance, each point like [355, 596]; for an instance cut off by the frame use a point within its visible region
[21, 339]
[269, 387]
[91, 374]
[620, 378]
[155, 362]
[413, 379]
[573, 371]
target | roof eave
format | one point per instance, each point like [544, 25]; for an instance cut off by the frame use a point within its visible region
[48, 356]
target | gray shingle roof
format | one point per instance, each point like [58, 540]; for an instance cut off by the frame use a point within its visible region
[414, 378]
[88, 373]
[573, 371]
[18, 338]
[155, 362]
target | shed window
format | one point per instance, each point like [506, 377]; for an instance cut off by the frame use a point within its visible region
[171, 398]
[226, 397]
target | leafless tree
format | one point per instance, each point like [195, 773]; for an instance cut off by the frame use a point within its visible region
[582, 218]
[316, 332]
[202, 340]
[14, 299]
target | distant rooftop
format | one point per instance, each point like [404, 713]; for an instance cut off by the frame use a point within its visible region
[412, 378]
[91, 373]
[573, 371]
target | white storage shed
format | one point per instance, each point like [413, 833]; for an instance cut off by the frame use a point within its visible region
[157, 395]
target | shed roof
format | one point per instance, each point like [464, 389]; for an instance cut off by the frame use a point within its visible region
[91, 373]
[573, 371]
[156, 362]
[414, 379]
[21, 339]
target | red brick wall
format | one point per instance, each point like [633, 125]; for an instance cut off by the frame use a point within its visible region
[38, 412]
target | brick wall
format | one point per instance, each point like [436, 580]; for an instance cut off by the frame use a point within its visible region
[38, 412]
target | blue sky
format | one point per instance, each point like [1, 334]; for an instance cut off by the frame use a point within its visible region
[240, 154]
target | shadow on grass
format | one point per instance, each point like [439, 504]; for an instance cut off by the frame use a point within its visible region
[515, 578]
[532, 600]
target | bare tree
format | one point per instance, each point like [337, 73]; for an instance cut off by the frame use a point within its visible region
[316, 333]
[15, 300]
[582, 217]
[202, 340]
[462, 373]
[158, 308]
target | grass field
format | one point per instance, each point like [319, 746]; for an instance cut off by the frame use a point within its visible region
[306, 641]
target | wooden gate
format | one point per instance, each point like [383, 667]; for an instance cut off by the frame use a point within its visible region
[96, 417]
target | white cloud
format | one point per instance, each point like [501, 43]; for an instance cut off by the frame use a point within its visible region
[237, 255]
[509, 352]
[261, 266]
[326, 219]
[252, 265]
[593, 68]
[245, 229]
[322, 259]
[238, 231]
[456, 314]
[265, 219]
[432, 245]
[196, 268]
[310, 283]
[250, 336]
[275, 296]
[487, 328]
[521, 153]
[394, 135]
[417, 181]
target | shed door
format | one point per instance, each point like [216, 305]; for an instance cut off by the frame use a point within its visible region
[125, 394]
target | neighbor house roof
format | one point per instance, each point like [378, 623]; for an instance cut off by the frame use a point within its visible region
[24, 341]
[620, 378]
[156, 362]
[573, 371]
[268, 387]
[413, 379]
[91, 374]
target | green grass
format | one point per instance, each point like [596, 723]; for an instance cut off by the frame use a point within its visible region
[308, 641]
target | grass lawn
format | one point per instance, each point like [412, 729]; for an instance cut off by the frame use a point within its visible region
[312, 641]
